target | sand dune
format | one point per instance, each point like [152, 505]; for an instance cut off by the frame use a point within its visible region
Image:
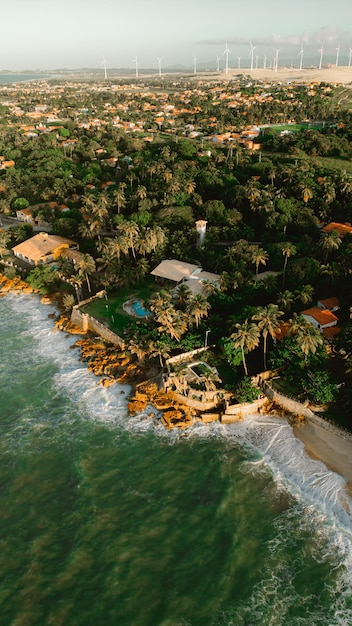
[333, 75]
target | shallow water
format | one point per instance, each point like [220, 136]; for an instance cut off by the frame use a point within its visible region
[108, 519]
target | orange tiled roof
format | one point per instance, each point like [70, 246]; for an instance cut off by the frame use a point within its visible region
[322, 316]
[330, 332]
[341, 229]
[330, 303]
[282, 331]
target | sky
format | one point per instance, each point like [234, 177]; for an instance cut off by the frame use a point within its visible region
[72, 34]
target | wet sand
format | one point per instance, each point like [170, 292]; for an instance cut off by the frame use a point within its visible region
[328, 444]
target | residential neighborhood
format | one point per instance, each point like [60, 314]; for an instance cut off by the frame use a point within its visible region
[208, 213]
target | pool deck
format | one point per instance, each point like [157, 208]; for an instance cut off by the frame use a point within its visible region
[128, 308]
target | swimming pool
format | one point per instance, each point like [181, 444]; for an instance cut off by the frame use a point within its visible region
[140, 311]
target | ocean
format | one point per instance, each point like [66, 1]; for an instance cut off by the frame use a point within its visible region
[109, 520]
[22, 78]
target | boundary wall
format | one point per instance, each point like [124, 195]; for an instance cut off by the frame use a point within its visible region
[89, 323]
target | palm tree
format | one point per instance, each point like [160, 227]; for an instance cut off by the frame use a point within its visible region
[182, 295]
[209, 288]
[86, 266]
[159, 349]
[5, 238]
[306, 192]
[286, 299]
[76, 281]
[151, 170]
[129, 232]
[197, 307]
[174, 186]
[308, 338]
[165, 152]
[178, 326]
[168, 176]
[141, 192]
[137, 347]
[245, 337]
[305, 294]
[272, 174]
[172, 322]
[159, 301]
[268, 323]
[158, 237]
[329, 242]
[252, 192]
[288, 250]
[120, 199]
[259, 257]
[190, 187]
[85, 231]
[114, 248]
[68, 301]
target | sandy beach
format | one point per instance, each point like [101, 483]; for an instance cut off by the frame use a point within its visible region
[328, 444]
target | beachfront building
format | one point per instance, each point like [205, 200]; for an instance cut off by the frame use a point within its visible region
[180, 272]
[43, 248]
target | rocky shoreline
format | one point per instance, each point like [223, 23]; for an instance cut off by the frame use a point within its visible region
[112, 365]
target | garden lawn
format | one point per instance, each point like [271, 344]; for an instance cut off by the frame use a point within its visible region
[110, 311]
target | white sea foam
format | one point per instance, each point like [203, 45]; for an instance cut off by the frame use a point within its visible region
[72, 376]
[320, 499]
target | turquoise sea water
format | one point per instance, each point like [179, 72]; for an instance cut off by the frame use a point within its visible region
[109, 520]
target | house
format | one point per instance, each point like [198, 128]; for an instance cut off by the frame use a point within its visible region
[42, 248]
[189, 274]
[320, 318]
[341, 229]
[25, 215]
[332, 304]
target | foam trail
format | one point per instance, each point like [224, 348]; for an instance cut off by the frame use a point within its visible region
[270, 439]
[72, 376]
[305, 478]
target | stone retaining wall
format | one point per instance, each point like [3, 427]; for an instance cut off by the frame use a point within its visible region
[297, 408]
[185, 355]
[194, 404]
[289, 404]
[89, 323]
[236, 412]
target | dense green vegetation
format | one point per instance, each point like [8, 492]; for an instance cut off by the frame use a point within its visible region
[135, 166]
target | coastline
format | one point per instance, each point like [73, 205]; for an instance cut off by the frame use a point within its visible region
[325, 443]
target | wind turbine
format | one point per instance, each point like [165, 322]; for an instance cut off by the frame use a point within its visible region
[337, 54]
[321, 55]
[350, 58]
[256, 62]
[194, 64]
[276, 60]
[159, 59]
[226, 53]
[218, 64]
[264, 62]
[300, 54]
[104, 64]
[239, 62]
[136, 62]
[251, 53]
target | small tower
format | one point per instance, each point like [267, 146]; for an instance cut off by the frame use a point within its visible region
[201, 226]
